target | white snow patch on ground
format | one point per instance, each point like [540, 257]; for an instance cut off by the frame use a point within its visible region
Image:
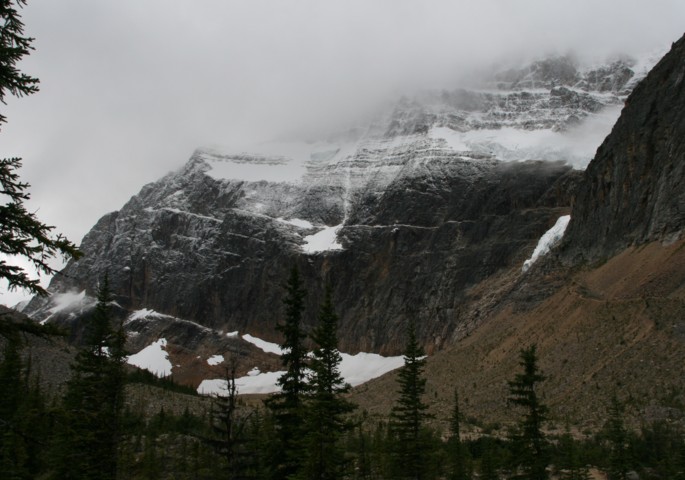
[268, 347]
[355, 369]
[548, 240]
[296, 222]
[260, 383]
[362, 367]
[153, 358]
[232, 334]
[215, 360]
[322, 241]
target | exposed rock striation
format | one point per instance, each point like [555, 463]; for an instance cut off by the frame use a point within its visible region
[632, 192]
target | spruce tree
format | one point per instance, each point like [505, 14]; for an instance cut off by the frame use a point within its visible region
[24, 431]
[458, 453]
[408, 415]
[287, 406]
[12, 390]
[489, 463]
[228, 428]
[571, 466]
[618, 441]
[21, 233]
[326, 408]
[529, 440]
[88, 437]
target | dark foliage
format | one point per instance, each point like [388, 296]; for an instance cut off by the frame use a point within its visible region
[287, 406]
[528, 438]
[407, 425]
[89, 429]
[327, 410]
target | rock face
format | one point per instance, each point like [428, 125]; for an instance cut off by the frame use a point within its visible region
[632, 192]
[402, 217]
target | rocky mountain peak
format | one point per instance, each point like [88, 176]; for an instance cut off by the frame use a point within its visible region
[405, 218]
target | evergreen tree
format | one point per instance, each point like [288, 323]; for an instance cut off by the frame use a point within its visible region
[326, 408]
[228, 429]
[87, 444]
[361, 446]
[12, 445]
[571, 466]
[408, 415]
[488, 462]
[24, 431]
[529, 439]
[458, 453]
[21, 233]
[618, 441]
[287, 405]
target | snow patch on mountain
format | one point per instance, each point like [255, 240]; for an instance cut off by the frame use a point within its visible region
[215, 360]
[323, 241]
[576, 145]
[270, 161]
[548, 240]
[153, 358]
[143, 313]
[265, 346]
[355, 369]
[260, 383]
[362, 367]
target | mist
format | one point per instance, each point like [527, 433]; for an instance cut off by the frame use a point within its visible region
[129, 89]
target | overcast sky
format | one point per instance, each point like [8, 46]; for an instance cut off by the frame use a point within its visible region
[129, 88]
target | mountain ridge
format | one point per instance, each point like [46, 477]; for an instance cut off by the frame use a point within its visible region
[426, 223]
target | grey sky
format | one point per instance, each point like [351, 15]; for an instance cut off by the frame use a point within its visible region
[129, 88]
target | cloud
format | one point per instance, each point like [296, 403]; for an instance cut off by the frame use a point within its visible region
[130, 88]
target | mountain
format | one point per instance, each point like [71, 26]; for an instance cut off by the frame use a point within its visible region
[631, 193]
[427, 211]
[606, 307]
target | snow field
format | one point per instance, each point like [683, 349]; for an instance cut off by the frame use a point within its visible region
[323, 241]
[153, 358]
[355, 369]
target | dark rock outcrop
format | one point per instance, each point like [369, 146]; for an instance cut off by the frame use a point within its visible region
[632, 192]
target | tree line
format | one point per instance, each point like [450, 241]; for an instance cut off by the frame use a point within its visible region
[308, 430]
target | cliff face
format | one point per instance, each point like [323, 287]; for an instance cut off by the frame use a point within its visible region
[632, 192]
[613, 323]
[412, 249]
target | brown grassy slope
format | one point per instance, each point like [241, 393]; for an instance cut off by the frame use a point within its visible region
[617, 328]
